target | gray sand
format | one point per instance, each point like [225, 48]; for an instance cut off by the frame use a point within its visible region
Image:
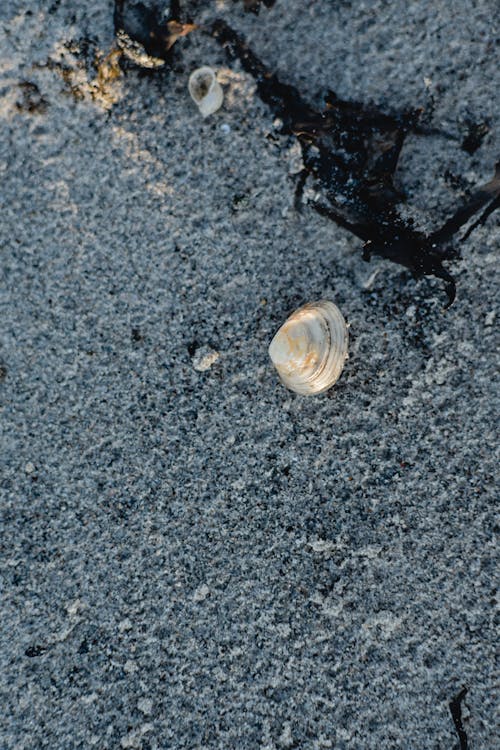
[194, 557]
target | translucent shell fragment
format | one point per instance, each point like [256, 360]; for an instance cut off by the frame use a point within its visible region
[205, 90]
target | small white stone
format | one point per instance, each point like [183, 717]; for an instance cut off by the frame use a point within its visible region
[204, 358]
[286, 739]
[283, 629]
[225, 128]
[29, 468]
[490, 318]
[132, 740]
[324, 741]
[145, 705]
[124, 625]
[74, 607]
[201, 593]
[24, 701]
[322, 545]
[90, 698]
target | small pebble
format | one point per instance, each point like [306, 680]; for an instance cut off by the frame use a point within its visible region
[130, 666]
[225, 128]
[134, 738]
[29, 468]
[204, 358]
[74, 607]
[145, 705]
[286, 739]
[490, 318]
[132, 741]
[201, 593]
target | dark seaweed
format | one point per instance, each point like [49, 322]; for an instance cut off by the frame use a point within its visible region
[479, 198]
[475, 136]
[150, 27]
[144, 24]
[352, 151]
[36, 650]
[253, 6]
[456, 715]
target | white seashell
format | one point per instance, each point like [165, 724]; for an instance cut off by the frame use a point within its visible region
[310, 349]
[205, 90]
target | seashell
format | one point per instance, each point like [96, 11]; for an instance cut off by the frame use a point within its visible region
[310, 349]
[205, 90]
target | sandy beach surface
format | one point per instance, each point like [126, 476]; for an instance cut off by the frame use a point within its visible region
[193, 557]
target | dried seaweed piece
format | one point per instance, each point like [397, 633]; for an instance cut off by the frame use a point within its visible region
[487, 212]
[456, 715]
[353, 151]
[146, 32]
[488, 193]
[88, 72]
[475, 136]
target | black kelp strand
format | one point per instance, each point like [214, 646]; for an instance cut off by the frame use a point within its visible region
[456, 715]
[476, 201]
[147, 31]
[352, 151]
[475, 136]
[253, 6]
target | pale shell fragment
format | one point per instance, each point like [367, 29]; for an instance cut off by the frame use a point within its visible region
[310, 349]
[205, 90]
[204, 358]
